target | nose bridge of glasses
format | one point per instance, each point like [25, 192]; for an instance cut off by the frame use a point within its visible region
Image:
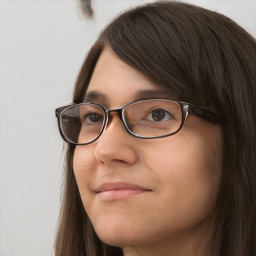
[118, 111]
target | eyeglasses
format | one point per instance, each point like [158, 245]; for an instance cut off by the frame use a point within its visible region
[83, 123]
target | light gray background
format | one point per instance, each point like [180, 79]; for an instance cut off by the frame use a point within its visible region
[42, 45]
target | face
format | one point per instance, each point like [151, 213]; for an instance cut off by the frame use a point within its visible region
[145, 192]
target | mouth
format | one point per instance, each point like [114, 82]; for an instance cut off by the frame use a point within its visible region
[119, 190]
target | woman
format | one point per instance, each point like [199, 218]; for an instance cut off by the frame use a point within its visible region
[161, 134]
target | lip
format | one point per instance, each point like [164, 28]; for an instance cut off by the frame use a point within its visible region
[119, 190]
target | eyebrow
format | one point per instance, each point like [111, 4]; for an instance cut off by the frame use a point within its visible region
[96, 96]
[151, 94]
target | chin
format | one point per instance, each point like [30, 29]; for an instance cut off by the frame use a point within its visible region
[117, 238]
[115, 232]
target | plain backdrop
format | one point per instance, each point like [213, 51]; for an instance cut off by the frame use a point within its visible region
[42, 45]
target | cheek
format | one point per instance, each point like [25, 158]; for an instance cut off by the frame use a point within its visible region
[83, 166]
[83, 158]
[186, 159]
[188, 173]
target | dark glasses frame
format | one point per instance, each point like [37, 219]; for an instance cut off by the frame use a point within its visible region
[186, 109]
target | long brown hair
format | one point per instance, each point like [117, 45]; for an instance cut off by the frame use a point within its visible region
[208, 60]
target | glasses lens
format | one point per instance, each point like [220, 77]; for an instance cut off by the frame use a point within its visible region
[153, 118]
[82, 123]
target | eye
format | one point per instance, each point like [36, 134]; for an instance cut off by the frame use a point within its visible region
[159, 115]
[93, 118]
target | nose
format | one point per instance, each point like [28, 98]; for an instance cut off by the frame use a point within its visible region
[116, 146]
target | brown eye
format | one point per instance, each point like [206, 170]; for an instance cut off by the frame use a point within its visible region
[159, 115]
[93, 118]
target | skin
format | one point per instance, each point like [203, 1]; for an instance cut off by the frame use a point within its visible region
[180, 174]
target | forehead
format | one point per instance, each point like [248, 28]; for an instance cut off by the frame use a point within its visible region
[114, 81]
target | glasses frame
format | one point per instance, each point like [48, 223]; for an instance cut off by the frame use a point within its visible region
[186, 109]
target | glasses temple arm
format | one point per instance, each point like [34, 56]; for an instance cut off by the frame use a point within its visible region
[205, 114]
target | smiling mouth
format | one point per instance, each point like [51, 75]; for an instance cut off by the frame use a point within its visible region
[119, 190]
